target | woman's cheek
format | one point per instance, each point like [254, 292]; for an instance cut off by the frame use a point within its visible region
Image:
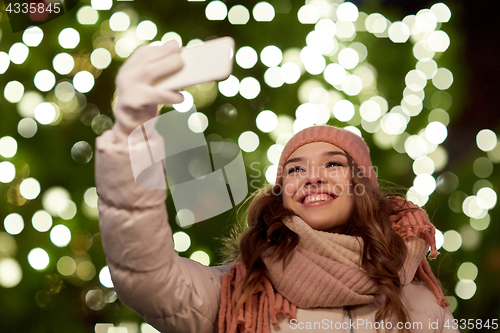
[289, 189]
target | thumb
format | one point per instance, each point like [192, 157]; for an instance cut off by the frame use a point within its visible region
[162, 96]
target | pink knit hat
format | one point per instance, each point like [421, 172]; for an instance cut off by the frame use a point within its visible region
[349, 142]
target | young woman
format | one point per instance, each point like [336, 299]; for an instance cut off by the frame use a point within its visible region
[325, 250]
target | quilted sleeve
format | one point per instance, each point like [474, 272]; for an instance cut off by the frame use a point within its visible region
[173, 294]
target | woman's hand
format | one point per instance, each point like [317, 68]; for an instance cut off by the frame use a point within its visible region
[138, 97]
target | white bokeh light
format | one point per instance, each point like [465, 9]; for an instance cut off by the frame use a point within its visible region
[290, 72]
[105, 277]
[439, 239]
[146, 30]
[473, 207]
[200, 256]
[313, 61]
[415, 80]
[29, 188]
[308, 14]
[33, 36]
[442, 12]
[13, 223]
[60, 235]
[83, 81]
[198, 122]
[10, 272]
[182, 241]
[238, 14]
[273, 78]
[249, 87]
[452, 241]
[271, 174]
[436, 132]
[66, 209]
[370, 110]
[415, 197]
[486, 140]
[266, 121]
[52, 197]
[7, 172]
[216, 11]
[87, 15]
[38, 258]
[248, 141]
[424, 184]
[393, 123]
[27, 127]
[348, 58]
[101, 4]
[347, 11]
[345, 30]
[488, 198]
[423, 164]
[4, 62]
[326, 26]
[321, 42]
[399, 32]
[439, 41]
[8, 146]
[443, 79]
[45, 113]
[352, 85]
[415, 146]
[343, 110]
[271, 56]
[63, 63]
[124, 47]
[246, 57]
[44, 80]
[69, 38]
[100, 58]
[185, 105]
[13, 91]
[465, 289]
[119, 21]
[229, 87]
[426, 21]
[334, 74]
[274, 153]
[18, 53]
[42, 221]
[263, 12]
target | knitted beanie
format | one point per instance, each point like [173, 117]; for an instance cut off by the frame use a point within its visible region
[346, 140]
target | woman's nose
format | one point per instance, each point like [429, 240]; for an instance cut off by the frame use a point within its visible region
[315, 176]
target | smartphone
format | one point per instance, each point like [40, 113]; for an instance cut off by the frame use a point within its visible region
[207, 62]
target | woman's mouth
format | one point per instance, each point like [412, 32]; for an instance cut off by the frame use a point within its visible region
[313, 198]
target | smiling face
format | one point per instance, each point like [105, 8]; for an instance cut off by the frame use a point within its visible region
[317, 186]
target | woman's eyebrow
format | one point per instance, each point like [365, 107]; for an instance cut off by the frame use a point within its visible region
[296, 159]
[333, 153]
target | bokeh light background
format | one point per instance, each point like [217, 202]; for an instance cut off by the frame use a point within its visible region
[415, 79]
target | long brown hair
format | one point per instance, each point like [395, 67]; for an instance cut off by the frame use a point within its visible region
[384, 251]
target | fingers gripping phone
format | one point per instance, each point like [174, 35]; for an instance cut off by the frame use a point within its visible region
[210, 61]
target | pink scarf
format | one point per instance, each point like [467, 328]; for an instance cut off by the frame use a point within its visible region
[323, 271]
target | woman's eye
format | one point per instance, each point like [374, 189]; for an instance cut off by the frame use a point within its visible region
[333, 164]
[294, 169]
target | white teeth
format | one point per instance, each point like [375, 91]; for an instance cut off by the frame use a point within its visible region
[318, 197]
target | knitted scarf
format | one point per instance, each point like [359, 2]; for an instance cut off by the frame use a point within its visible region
[324, 270]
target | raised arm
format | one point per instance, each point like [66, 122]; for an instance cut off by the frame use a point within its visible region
[173, 294]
